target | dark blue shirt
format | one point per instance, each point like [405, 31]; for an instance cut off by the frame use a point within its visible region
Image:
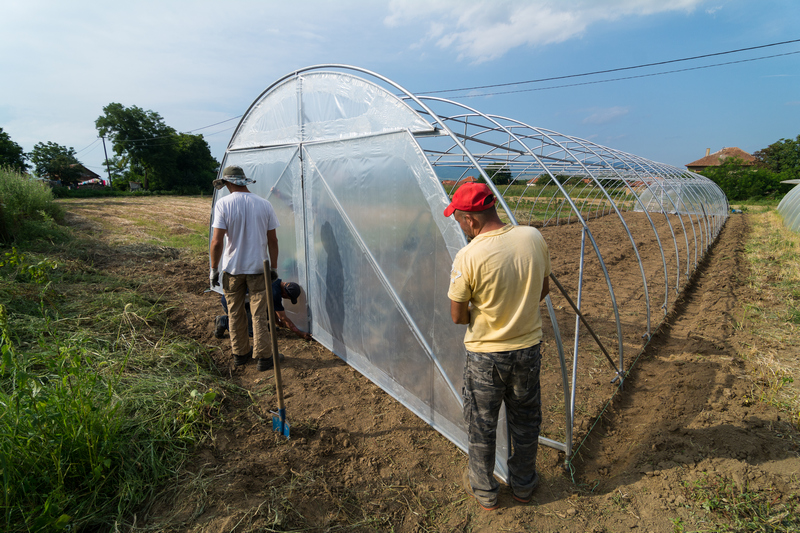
[277, 298]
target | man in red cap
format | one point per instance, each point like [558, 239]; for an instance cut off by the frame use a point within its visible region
[496, 285]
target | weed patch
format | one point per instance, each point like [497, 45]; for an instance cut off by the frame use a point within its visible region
[737, 508]
[99, 403]
[27, 210]
[771, 318]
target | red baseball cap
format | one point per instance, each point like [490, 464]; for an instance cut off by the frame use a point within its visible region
[471, 197]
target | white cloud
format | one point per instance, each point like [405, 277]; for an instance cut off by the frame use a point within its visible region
[604, 116]
[195, 62]
[482, 30]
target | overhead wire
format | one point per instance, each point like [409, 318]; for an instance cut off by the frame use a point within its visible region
[525, 82]
[216, 124]
[619, 69]
[150, 139]
[87, 147]
[622, 78]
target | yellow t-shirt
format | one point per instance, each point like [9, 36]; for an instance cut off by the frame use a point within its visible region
[501, 272]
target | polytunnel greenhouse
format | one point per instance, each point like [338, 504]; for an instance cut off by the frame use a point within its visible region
[789, 208]
[359, 171]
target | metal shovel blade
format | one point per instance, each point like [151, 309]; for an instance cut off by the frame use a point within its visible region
[279, 423]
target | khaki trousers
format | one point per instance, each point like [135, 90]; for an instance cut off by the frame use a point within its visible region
[236, 288]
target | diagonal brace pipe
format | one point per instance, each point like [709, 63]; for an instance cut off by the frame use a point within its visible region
[619, 372]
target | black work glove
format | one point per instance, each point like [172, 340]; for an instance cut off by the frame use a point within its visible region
[214, 277]
[273, 274]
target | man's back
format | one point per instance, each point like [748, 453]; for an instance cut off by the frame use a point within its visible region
[502, 272]
[246, 218]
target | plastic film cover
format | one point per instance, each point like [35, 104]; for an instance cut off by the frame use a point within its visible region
[380, 266]
[277, 175]
[271, 121]
[340, 106]
[332, 106]
[363, 233]
[789, 209]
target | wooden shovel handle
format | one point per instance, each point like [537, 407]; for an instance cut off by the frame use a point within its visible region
[273, 336]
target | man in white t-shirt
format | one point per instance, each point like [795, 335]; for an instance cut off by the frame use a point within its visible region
[249, 223]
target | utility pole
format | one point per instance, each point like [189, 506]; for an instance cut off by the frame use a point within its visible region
[108, 168]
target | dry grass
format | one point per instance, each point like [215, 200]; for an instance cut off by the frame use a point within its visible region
[771, 316]
[179, 222]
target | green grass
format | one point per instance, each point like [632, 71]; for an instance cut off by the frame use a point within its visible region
[773, 313]
[27, 210]
[196, 238]
[538, 203]
[739, 508]
[99, 403]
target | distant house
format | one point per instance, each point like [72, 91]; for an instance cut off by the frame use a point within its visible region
[86, 174]
[449, 184]
[717, 158]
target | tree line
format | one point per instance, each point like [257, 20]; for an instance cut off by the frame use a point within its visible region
[148, 151]
[145, 150]
[780, 161]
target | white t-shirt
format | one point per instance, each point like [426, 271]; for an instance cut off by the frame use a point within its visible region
[247, 218]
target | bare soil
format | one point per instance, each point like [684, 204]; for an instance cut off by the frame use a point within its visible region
[360, 461]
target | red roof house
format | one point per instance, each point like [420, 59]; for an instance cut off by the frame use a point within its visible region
[448, 184]
[717, 158]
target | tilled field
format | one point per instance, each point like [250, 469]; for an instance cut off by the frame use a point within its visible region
[359, 461]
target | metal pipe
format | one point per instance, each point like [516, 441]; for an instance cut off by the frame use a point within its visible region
[585, 323]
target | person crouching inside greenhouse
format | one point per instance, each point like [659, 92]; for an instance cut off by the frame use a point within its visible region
[496, 285]
[250, 224]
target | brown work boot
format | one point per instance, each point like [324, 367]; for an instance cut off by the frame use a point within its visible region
[485, 505]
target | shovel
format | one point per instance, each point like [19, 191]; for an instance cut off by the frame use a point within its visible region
[279, 423]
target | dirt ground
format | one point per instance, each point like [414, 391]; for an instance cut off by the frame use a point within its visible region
[360, 461]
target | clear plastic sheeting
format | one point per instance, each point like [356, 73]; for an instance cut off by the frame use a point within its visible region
[332, 106]
[789, 209]
[277, 175]
[359, 171]
[377, 262]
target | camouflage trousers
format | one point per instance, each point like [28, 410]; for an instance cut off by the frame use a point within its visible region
[489, 380]
[236, 288]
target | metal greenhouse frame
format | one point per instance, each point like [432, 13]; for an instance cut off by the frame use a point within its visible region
[360, 170]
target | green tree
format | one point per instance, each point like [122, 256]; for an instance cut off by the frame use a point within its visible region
[782, 157]
[498, 173]
[744, 182]
[155, 154]
[55, 162]
[141, 136]
[196, 167]
[11, 154]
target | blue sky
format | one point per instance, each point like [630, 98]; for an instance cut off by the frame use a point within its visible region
[197, 63]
